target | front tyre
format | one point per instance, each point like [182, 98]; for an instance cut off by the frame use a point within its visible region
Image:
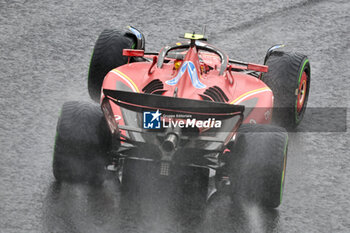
[107, 55]
[289, 78]
[81, 144]
[258, 164]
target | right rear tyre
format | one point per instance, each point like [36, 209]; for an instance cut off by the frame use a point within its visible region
[81, 144]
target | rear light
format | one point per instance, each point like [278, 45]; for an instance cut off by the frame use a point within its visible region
[109, 115]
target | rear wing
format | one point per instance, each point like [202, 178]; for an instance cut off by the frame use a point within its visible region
[201, 109]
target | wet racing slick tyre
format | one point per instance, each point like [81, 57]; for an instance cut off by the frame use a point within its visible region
[258, 163]
[107, 55]
[289, 77]
[81, 144]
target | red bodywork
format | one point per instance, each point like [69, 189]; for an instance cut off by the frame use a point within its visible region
[238, 86]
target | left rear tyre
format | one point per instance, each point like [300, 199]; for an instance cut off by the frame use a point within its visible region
[81, 144]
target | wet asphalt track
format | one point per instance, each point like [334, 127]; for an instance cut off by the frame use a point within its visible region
[44, 56]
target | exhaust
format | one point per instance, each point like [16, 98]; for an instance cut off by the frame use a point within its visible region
[170, 142]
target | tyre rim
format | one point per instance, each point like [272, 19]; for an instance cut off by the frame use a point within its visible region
[302, 92]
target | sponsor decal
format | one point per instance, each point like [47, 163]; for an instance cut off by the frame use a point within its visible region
[151, 120]
[192, 123]
[156, 120]
[192, 71]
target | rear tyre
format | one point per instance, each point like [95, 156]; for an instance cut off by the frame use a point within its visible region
[289, 78]
[81, 144]
[258, 163]
[107, 55]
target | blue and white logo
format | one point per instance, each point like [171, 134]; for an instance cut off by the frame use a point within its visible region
[151, 120]
[192, 71]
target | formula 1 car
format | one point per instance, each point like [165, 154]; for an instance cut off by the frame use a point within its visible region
[187, 115]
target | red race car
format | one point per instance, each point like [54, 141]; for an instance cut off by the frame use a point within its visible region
[187, 115]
